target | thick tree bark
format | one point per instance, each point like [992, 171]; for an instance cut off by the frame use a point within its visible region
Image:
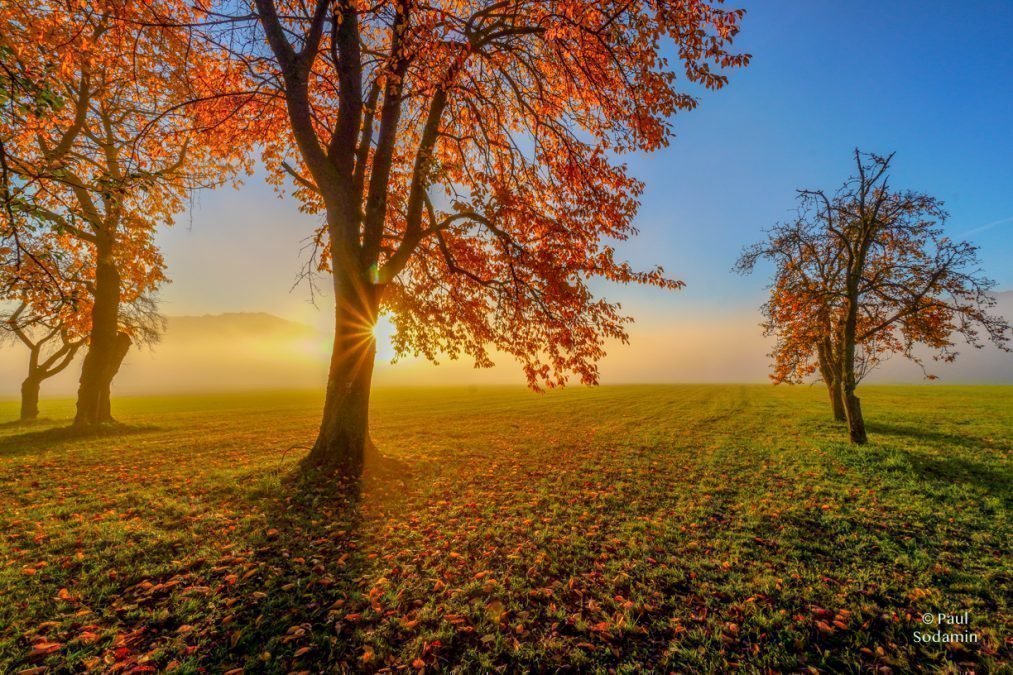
[30, 398]
[834, 390]
[120, 349]
[343, 438]
[107, 345]
[93, 397]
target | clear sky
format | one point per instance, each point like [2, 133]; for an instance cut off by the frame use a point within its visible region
[931, 80]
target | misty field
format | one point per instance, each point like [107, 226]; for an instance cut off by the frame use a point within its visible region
[702, 528]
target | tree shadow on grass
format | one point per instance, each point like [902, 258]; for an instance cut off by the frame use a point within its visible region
[386, 473]
[270, 574]
[269, 592]
[992, 479]
[309, 561]
[949, 468]
[24, 424]
[47, 439]
[308, 589]
[927, 435]
[385, 476]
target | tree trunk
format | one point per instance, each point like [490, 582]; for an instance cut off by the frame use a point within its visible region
[343, 439]
[120, 349]
[30, 398]
[107, 346]
[829, 372]
[852, 405]
[836, 394]
[856, 423]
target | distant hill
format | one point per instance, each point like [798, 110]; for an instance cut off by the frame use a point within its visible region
[228, 351]
[235, 325]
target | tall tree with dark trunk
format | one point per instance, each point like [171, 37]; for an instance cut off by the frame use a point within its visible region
[462, 155]
[116, 155]
[863, 273]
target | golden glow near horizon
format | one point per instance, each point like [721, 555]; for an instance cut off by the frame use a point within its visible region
[243, 351]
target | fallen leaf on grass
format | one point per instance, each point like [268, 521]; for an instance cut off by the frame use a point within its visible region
[44, 648]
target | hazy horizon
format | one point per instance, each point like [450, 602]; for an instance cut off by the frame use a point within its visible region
[247, 351]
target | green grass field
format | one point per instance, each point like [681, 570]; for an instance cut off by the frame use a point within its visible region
[688, 528]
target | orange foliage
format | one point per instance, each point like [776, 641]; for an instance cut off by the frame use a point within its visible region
[113, 154]
[465, 156]
[911, 284]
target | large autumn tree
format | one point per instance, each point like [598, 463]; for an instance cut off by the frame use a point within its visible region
[113, 155]
[463, 156]
[866, 272]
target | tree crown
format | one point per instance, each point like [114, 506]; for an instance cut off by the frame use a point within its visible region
[465, 154]
[885, 248]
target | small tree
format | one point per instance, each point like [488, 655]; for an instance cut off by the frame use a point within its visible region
[51, 348]
[51, 296]
[43, 303]
[864, 273]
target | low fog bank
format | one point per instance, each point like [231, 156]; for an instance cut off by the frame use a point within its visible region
[732, 349]
[202, 353]
[261, 351]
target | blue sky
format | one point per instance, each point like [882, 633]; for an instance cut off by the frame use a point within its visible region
[932, 81]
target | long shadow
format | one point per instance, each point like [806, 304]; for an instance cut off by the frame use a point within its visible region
[947, 468]
[310, 591]
[46, 439]
[311, 550]
[277, 593]
[21, 424]
[284, 588]
[385, 477]
[924, 434]
[315, 545]
[959, 470]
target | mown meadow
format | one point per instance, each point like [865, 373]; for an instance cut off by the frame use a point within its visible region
[683, 528]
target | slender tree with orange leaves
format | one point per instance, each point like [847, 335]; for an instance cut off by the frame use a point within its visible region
[464, 157]
[51, 348]
[48, 309]
[114, 154]
[864, 273]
